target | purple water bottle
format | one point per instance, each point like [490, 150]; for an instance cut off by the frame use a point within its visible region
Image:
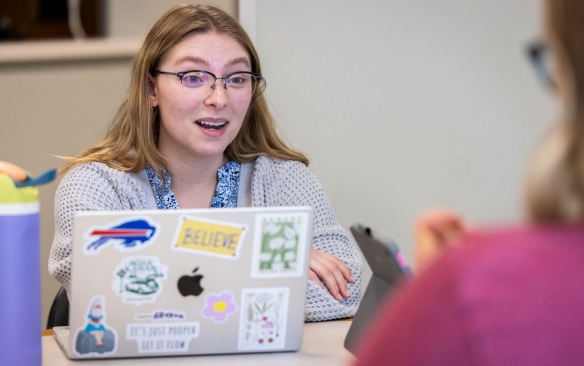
[20, 289]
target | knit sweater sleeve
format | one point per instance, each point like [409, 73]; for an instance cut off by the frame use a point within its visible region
[88, 187]
[290, 183]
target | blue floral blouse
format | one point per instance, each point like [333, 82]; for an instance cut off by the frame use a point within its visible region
[225, 194]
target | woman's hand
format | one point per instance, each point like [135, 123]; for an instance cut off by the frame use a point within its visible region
[435, 230]
[330, 270]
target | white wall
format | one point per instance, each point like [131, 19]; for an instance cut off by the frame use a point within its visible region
[405, 105]
[126, 18]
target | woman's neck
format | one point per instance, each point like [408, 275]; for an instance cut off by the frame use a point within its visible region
[194, 183]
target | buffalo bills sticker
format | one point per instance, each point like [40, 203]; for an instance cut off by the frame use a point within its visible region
[125, 235]
[97, 338]
[171, 337]
[139, 279]
[263, 315]
[279, 245]
[214, 238]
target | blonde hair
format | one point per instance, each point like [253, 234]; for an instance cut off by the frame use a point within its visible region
[555, 184]
[132, 137]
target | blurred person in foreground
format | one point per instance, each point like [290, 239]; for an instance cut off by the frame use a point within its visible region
[514, 295]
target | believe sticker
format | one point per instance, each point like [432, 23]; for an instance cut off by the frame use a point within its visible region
[214, 238]
[97, 338]
[279, 245]
[162, 337]
[139, 279]
[262, 322]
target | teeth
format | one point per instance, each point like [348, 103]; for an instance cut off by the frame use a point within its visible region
[211, 124]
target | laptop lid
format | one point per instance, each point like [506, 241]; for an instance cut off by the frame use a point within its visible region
[188, 282]
[388, 268]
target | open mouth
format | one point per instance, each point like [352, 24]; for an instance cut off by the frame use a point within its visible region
[208, 125]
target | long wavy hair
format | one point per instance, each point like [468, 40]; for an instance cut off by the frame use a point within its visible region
[555, 184]
[132, 137]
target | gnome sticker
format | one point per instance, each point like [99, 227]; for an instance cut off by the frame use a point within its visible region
[96, 337]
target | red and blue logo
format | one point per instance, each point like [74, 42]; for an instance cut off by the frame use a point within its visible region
[128, 235]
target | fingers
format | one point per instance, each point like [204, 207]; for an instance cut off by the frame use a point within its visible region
[332, 272]
[434, 231]
[314, 278]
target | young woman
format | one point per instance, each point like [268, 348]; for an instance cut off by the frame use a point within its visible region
[195, 132]
[509, 296]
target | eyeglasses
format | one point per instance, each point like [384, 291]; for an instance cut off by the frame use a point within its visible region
[238, 85]
[541, 60]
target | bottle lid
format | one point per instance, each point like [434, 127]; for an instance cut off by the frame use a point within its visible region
[16, 185]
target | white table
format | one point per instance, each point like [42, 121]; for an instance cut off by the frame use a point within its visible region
[322, 345]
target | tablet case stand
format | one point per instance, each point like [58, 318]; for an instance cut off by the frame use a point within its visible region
[388, 269]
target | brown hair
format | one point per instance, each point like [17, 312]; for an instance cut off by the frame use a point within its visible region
[555, 185]
[132, 137]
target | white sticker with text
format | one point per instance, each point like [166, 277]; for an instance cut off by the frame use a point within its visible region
[162, 337]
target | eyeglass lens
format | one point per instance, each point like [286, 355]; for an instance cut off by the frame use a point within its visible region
[236, 86]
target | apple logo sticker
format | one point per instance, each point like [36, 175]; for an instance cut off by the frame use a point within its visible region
[190, 285]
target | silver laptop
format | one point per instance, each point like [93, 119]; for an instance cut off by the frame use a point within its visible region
[187, 282]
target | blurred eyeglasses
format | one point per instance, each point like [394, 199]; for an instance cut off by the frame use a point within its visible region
[541, 60]
[238, 85]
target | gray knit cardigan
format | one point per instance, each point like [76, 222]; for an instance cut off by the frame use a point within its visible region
[267, 182]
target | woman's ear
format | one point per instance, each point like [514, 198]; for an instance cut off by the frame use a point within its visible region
[152, 91]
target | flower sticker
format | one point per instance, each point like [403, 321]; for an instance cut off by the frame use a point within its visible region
[218, 307]
[262, 321]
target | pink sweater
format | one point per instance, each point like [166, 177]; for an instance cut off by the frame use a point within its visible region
[507, 297]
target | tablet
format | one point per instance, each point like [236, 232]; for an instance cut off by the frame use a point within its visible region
[388, 268]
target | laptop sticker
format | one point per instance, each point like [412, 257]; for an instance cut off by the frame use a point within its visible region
[127, 234]
[139, 279]
[159, 315]
[162, 337]
[277, 245]
[190, 285]
[96, 338]
[263, 317]
[219, 307]
[214, 238]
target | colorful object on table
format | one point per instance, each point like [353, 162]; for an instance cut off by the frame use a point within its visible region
[20, 313]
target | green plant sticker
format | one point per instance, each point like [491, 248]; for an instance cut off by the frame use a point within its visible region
[280, 245]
